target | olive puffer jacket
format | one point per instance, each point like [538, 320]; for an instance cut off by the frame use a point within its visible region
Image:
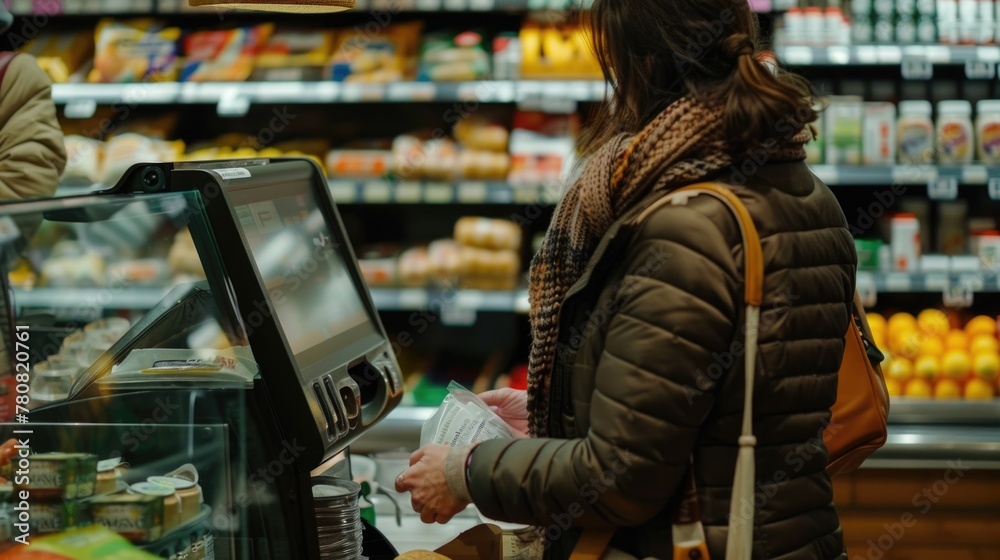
[649, 374]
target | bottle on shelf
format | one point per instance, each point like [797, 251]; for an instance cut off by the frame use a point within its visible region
[988, 131]
[905, 234]
[947, 22]
[955, 142]
[915, 132]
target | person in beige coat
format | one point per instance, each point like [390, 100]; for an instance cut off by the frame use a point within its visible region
[32, 151]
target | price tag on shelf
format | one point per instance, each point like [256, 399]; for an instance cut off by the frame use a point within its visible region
[455, 5]
[409, 192]
[936, 282]
[413, 299]
[439, 193]
[993, 188]
[867, 290]
[482, 5]
[344, 191]
[957, 295]
[943, 187]
[363, 92]
[411, 91]
[797, 56]
[80, 109]
[917, 68]
[232, 104]
[980, 70]
[973, 282]
[458, 313]
[472, 193]
[898, 282]
[377, 192]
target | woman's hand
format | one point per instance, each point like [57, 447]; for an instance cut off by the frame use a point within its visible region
[427, 484]
[511, 405]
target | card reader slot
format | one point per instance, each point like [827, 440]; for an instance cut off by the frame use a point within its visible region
[343, 426]
[331, 429]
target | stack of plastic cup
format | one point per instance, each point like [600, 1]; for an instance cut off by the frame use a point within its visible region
[338, 518]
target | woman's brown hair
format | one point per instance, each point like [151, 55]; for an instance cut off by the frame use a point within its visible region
[656, 51]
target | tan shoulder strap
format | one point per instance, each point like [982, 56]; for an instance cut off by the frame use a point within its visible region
[754, 263]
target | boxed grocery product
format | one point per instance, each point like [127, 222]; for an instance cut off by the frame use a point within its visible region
[541, 147]
[557, 53]
[61, 54]
[447, 56]
[879, 142]
[844, 127]
[88, 543]
[389, 56]
[223, 55]
[294, 55]
[135, 51]
[358, 163]
[137, 517]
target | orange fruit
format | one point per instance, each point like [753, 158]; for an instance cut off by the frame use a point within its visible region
[900, 369]
[927, 367]
[956, 364]
[947, 389]
[899, 322]
[981, 325]
[933, 322]
[956, 340]
[931, 346]
[986, 365]
[982, 343]
[907, 343]
[918, 389]
[876, 322]
[978, 389]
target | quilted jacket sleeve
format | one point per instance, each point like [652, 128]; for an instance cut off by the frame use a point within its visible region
[652, 393]
[32, 151]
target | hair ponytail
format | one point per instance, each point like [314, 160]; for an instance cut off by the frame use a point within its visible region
[761, 103]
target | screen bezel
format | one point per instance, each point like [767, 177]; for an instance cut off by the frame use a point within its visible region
[332, 352]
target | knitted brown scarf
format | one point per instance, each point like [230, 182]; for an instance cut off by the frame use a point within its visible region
[687, 140]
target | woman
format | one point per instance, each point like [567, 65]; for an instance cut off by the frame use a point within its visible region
[636, 358]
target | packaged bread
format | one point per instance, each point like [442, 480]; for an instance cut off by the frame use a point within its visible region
[481, 134]
[414, 267]
[445, 259]
[473, 261]
[488, 233]
[83, 160]
[389, 56]
[294, 55]
[226, 55]
[135, 51]
[61, 54]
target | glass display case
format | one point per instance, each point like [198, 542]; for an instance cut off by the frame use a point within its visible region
[202, 325]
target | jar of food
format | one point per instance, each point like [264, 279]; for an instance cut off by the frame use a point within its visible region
[916, 132]
[955, 142]
[988, 131]
[905, 242]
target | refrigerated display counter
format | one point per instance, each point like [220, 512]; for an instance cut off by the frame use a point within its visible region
[263, 360]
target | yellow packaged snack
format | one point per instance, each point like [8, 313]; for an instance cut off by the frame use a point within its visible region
[223, 55]
[390, 55]
[135, 51]
[61, 54]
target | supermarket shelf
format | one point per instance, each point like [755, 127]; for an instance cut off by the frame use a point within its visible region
[104, 7]
[426, 192]
[89, 298]
[416, 299]
[883, 55]
[908, 447]
[926, 282]
[922, 411]
[240, 93]
[909, 175]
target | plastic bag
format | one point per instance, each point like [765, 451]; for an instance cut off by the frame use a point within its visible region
[463, 419]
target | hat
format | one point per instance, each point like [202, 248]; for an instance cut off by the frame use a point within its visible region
[290, 6]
